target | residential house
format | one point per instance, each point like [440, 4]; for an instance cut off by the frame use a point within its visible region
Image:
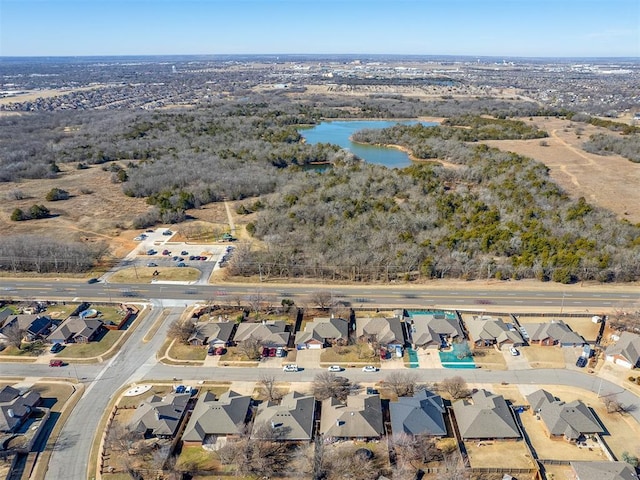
[272, 333]
[487, 332]
[387, 332]
[421, 414]
[360, 418]
[433, 330]
[626, 351]
[217, 334]
[224, 417]
[290, 420]
[323, 332]
[34, 326]
[555, 332]
[15, 407]
[76, 330]
[603, 471]
[485, 416]
[569, 420]
[160, 416]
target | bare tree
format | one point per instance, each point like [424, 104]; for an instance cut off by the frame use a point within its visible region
[14, 335]
[268, 386]
[454, 469]
[341, 464]
[181, 330]
[454, 386]
[613, 404]
[327, 385]
[402, 384]
[322, 298]
[255, 301]
[250, 348]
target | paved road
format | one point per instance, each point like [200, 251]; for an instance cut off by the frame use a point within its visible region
[71, 452]
[576, 299]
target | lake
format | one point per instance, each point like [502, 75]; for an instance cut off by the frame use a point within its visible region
[338, 133]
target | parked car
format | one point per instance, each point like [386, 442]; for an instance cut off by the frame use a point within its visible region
[56, 347]
[152, 264]
[369, 369]
[167, 232]
[383, 354]
[514, 351]
[335, 368]
[184, 252]
[56, 363]
[180, 389]
[211, 351]
[166, 252]
[265, 352]
[150, 230]
[272, 351]
[151, 251]
[581, 362]
[281, 352]
[181, 264]
[220, 351]
[290, 368]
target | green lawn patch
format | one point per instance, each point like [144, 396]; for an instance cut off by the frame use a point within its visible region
[199, 459]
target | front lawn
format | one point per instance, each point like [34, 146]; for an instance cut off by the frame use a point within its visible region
[92, 349]
[180, 351]
[359, 353]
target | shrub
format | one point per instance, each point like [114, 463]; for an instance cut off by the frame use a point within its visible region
[56, 194]
[17, 215]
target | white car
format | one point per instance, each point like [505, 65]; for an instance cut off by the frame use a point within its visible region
[369, 368]
[335, 368]
[514, 352]
[290, 368]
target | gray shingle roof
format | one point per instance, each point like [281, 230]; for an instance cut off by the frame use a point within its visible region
[627, 346]
[568, 419]
[269, 333]
[224, 416]
[15, 408]
[421, 414]
[294, 415]
[485, 416]
[555, 329]
[427, 329]
[387, 330]
[604, 471]
[359, 417]
[212, 332]
[161, 415]
[492, 329]
[322, 329]
[73, 327]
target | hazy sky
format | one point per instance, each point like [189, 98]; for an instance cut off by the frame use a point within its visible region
[545, 28]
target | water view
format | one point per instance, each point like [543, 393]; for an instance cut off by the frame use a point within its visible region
[339, 132]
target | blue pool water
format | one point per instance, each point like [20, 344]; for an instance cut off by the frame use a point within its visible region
[450, 360]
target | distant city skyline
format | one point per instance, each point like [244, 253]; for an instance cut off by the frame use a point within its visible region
[509, 28]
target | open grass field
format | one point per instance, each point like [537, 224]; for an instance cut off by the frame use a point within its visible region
[180, 351]
[544, 357]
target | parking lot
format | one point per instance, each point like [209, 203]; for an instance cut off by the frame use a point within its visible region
[156, 249]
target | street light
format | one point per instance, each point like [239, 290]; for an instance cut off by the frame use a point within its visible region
[562, 304]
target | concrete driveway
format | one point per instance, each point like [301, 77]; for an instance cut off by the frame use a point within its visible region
[308, 358]
[517, 362]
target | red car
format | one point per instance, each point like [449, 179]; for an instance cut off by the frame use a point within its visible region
[383, 354]
[220, 351]
[272, 352]
[56, 363]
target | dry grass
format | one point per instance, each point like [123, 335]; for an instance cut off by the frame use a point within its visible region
[180, 351]
[584, 327]
[609, 182]
[489, 358]
[499, 453]
[92, 349]
[359, 353]
[145, 274]
[544, 357]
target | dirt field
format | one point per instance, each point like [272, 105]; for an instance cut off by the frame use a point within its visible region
[610, 182]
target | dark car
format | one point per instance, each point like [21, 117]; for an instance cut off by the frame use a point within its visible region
[92, 280]
[56, 347]
[582, 362]
[265, 352]
[211, 351]
[181, 264]
[184, 252]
